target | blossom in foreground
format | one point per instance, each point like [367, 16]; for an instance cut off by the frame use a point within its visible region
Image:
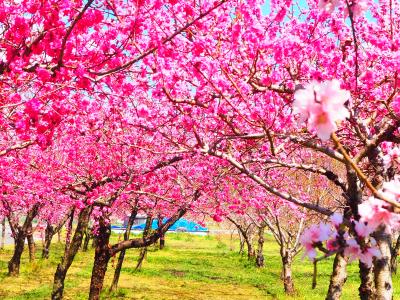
[313, 235]
[362, 229]
[322, 104]
[328, 5]
[375, 212]
[352, 250]
[391, 189]
[336, 219]
[368, 254]
[392, 158]
[359, 7]
[317, 235]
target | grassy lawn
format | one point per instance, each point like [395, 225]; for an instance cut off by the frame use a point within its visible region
[190, 267]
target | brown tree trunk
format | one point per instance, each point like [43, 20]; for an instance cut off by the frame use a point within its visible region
[354, 195]
[69, 229]
[260, 248]
[48, 236]
[3, 233]
[31, 244]
[121, 256]
[142, 256]
[395, 254]
[51, 230]
[366, 289]
[382, 269]
[143, 251]
[20, 233]
[14, 263]
[31, 247]
[162, 236]
[94, 241]
[250, 250]
[288, 283]
[69, 254]
[87, 234]
[162, 242]
[101, 258]
[241, 246]
[338, 277]
[104, 253]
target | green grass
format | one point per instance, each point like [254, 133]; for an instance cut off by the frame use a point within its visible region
[190, 267]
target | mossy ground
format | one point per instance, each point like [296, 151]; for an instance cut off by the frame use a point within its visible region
[190, 267]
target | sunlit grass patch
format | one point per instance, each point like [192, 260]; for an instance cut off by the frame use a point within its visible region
[190, 267]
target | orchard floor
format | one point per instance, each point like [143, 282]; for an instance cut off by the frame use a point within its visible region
[190, 267]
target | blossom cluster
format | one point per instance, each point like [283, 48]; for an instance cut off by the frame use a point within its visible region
[322, 105]
[358, 7]
[374, 214]
[317, 235]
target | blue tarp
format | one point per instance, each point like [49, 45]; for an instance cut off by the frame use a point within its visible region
[180, 225]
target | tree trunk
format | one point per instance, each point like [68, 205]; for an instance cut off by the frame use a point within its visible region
[162, 236]
[382, 270]
[354, 195]
[288, 283]
[162, 242]
[393, 264]
[395, 254]
[260, 255]
[338, 277]
[143, 251]
[48, 235]
[104, 251]
[101, 258]
[69, 229]
[142, 256]
[3, 233]
[31, 244]
[69, 254]
[94, 241]
[14, 263]
[250, 249]
[121, 256]
[87, 234]
[117, 272]
[131, 243]
[241, 249]
[366, 289]
[20, 233]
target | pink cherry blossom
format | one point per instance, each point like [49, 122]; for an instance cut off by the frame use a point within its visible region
[322, 104]
[328, 5]
[375, 212]
[143, 111]
[315, 234]
[368, 254]
[359, 7]
[391, 189]
[363, 229]
[336, 219]
[392, 158]
[352, 250]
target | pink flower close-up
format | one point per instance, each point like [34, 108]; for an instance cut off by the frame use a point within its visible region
[322, 105]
